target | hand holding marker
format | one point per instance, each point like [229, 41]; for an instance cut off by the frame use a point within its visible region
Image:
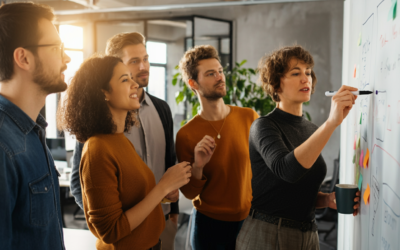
[359, 92]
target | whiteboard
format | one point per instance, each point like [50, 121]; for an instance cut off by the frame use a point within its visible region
[371, 61]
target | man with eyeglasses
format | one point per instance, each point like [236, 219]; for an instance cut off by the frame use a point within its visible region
[216, 141]
[32, 62]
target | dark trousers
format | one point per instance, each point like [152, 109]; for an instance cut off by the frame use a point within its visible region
[210, 234]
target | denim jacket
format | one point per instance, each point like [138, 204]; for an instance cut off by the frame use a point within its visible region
[30, 216]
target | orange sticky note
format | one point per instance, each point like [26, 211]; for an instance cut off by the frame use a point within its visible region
[355, 71]
[366, 158]
[366, 194]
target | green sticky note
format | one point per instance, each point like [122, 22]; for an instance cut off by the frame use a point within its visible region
[393, 10]
[358, 143]
[359, 40]
[360, 179]
[360, 118]
[354, 158]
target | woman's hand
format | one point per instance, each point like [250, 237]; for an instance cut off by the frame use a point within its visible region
[342, 102]
[173, 196]
[332, 202]
[176, 176]
[356, 206]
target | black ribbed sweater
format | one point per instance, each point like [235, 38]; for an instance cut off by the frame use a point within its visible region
[281, 186]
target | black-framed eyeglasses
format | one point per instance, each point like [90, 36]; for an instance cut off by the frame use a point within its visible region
[47, 45]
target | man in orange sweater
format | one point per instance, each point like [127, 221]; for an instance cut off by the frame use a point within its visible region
[216, 141]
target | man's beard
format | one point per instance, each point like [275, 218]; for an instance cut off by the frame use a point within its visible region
[213, 95]
[48, 82]
[144, 81]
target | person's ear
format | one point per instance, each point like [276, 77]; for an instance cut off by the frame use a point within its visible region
[24, 59]
[106, 95]
[193, 84]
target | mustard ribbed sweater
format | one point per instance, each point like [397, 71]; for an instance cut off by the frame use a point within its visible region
[114, 179]
[224, 193]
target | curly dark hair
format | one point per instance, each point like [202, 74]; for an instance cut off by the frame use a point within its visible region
[84, 112]
[274, 66]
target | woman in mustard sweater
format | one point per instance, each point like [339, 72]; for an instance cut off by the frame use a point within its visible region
[121, 200]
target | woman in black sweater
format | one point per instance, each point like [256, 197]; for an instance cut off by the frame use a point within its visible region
[285, 153]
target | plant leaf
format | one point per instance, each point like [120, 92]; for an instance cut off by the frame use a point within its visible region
[183, 122]
[179, 97]
[308, 116]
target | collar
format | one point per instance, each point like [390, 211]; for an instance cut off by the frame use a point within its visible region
[288, 117]
[23, 121]
[146, 100]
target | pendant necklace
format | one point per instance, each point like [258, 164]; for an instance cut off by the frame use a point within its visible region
[219, 135]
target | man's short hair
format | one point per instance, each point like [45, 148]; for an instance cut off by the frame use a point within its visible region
[274, 66]
[189, 62]
[19, 27]
[116, 43]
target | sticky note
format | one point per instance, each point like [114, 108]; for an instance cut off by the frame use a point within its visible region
[366, 158]
[354, 158]
[355, 71]
[360, 163]
[366, 194]
[358, 143]
[360, 179]
[355, 142]
[361, 118]
[359, 39]
[393, 10]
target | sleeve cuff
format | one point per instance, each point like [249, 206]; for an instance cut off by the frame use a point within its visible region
[196, 183]
[298, 169]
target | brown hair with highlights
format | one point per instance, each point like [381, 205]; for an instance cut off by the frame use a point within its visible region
[84, 112]
[274, 66]
[190, 60]
[116, 43]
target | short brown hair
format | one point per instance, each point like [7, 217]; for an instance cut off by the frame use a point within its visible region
[116, 43]
[190, 60]
[19, 27]
[274, 66]
[84, 112]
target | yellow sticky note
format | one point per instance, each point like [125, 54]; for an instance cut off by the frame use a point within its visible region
[366, 194]
[366, 158]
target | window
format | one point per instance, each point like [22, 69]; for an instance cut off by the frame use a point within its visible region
[158, 69]
[72, 36]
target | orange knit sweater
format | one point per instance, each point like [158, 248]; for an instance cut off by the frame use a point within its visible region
[114, 178]
[224, 193]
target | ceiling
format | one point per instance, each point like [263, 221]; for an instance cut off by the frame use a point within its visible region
[68, 7]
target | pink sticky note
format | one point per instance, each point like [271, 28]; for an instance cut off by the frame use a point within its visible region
[361, 158]
[355, 141]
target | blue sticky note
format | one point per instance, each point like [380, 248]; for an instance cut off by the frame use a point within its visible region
[360, 182]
